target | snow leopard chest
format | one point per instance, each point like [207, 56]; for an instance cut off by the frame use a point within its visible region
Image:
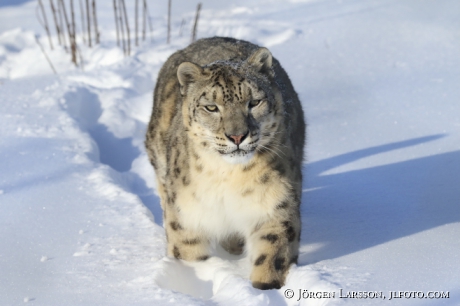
[222, 200]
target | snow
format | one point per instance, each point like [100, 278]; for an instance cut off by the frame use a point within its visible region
[80, 222]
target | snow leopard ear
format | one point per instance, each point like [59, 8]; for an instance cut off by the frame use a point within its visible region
[187, 73]
[261, 60]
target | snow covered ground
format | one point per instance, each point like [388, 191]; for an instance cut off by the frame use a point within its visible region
[80, 223]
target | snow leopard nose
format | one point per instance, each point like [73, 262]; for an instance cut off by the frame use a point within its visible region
[237, 139]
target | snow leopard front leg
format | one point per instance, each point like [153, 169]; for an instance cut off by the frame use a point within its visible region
[183, 243]
[274, 247]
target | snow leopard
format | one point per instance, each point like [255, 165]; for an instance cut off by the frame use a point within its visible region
[226, 140]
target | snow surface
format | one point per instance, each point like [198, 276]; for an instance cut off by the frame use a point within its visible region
[80, 223]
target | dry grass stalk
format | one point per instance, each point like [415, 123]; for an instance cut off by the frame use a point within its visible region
[147, 17]
[116, 21]
[136, 11]
[127, 27]
[88, 18]
[168, 40]
[61, 24]
[56, 23]
[82, 17]
[44, 21]
[181, 27]
[150, 21]
[44, 53]
[195, 25]
[144, 19]
[73, 46]
[122, 31]
[71, 35]
[96, 30]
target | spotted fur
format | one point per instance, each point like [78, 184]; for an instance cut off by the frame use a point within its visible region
[226, 141]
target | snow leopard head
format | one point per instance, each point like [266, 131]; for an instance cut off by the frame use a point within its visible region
[231, 108]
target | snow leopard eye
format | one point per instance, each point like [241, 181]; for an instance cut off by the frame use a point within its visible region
[211, 108]
[254, 103]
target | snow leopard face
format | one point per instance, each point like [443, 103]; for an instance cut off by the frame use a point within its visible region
[230, 108]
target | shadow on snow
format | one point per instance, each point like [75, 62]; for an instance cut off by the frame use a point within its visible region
[119, 153]
[351, 211]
